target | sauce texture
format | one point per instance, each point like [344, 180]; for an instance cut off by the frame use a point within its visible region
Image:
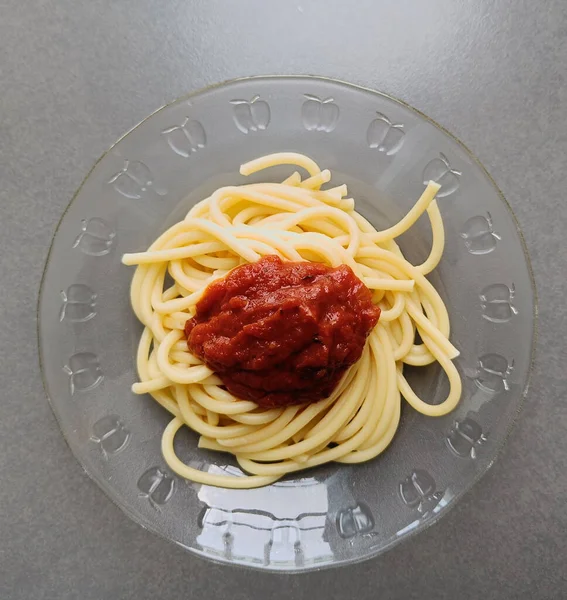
[281, 333]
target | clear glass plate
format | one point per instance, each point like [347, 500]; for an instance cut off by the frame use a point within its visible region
[384, 150]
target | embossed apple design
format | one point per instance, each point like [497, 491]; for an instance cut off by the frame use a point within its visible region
[496, 301]
[285, 545]
[440, 171]
[465, 437]
[96, 237]
[493, 371]
[187, 138]
[111, 434]
[418, 490]
[133, 180]
[84, 372]
[251, 115]
[357, 520]
[479, 235]
[318, 114]
[78, 304]
[157, 486]
[384, 135]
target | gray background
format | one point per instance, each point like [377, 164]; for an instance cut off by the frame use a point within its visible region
[74, 75]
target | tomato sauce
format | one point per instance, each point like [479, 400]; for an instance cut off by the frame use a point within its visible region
[282, 333]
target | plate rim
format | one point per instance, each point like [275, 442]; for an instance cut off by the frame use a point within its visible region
[139, 519]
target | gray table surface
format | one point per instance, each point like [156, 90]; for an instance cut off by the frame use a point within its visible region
[74, 75]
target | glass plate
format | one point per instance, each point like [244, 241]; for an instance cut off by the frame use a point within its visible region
[385, 151]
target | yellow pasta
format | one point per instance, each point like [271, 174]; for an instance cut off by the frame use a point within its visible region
[295, 220]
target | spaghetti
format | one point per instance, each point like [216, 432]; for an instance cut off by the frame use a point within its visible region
[297, 221]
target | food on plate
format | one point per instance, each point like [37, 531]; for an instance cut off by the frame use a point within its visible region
[278, 321]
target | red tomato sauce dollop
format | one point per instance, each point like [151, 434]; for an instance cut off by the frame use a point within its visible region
[281, 333]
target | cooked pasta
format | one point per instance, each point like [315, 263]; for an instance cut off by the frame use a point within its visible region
[297, 221]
